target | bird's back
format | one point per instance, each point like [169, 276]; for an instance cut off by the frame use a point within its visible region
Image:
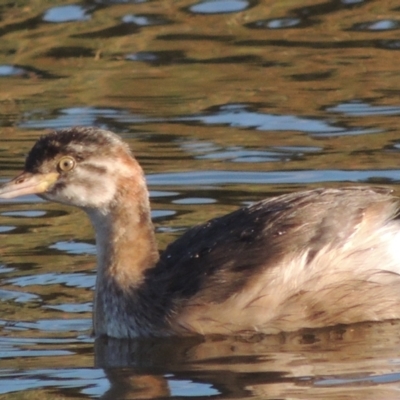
[306, 259]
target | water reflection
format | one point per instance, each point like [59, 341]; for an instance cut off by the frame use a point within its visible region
[81, 116]
[23, 214]
[277, 23]
[74, 247]
[19, 297]
[67, 13]
[220, 6]
[7, 70]
[317, 364]
[69, 326]
[77, 280]
[224, 103]
[209, 178]
[235, 115]
[210, 151]
[144, 20]
[111, 2]
[245, 116]
[381, 25]
[361, 108]
[93, 383]
[23, 72]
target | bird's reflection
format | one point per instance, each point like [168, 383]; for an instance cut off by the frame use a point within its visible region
[340, 362]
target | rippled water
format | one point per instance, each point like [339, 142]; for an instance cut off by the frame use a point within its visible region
[224, 103]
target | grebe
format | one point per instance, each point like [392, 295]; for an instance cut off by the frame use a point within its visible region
[301, 260]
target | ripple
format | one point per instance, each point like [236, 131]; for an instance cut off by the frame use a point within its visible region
[24, 214]
[111, 2]
[209, 178]
[90, 382]
[15, 352]
[382, 25]
[156, 214]
[4, 228]
[11, 70]
[376, 379]
[240, 154]
[23, 341]
[179, 57]
[105, 118]
[188, 388]
[244, 116]
[7, 70]
[170, 229]
[68, 13]
[299, 150]
[11, 347]
[162, 193]
[313, 76]
[53, 325]
[158, 58]
[19, 297]
[5, 269]
[395, 146]
[144, 19]
[74, 247]
[390, 44]
[276, 23]
[70, 52]
[361, 108]
[195, 200]
[142, 56]
[219, 6]
[82, 116]
[351, 2]
[234, 115]
[76, 280]
[72, 308]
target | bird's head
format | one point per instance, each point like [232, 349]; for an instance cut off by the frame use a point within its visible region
[83, 167]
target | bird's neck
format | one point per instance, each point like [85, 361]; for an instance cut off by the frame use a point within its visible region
[126, 248]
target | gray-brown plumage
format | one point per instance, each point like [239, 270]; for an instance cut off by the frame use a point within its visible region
[307, 259]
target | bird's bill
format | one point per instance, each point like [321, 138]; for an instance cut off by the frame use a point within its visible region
[27, 183]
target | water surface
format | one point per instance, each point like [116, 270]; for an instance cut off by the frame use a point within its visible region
[223, 103]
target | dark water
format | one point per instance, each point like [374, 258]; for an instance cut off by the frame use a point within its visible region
[224, 102]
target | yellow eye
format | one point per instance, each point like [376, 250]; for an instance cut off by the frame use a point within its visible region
[66, 164]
